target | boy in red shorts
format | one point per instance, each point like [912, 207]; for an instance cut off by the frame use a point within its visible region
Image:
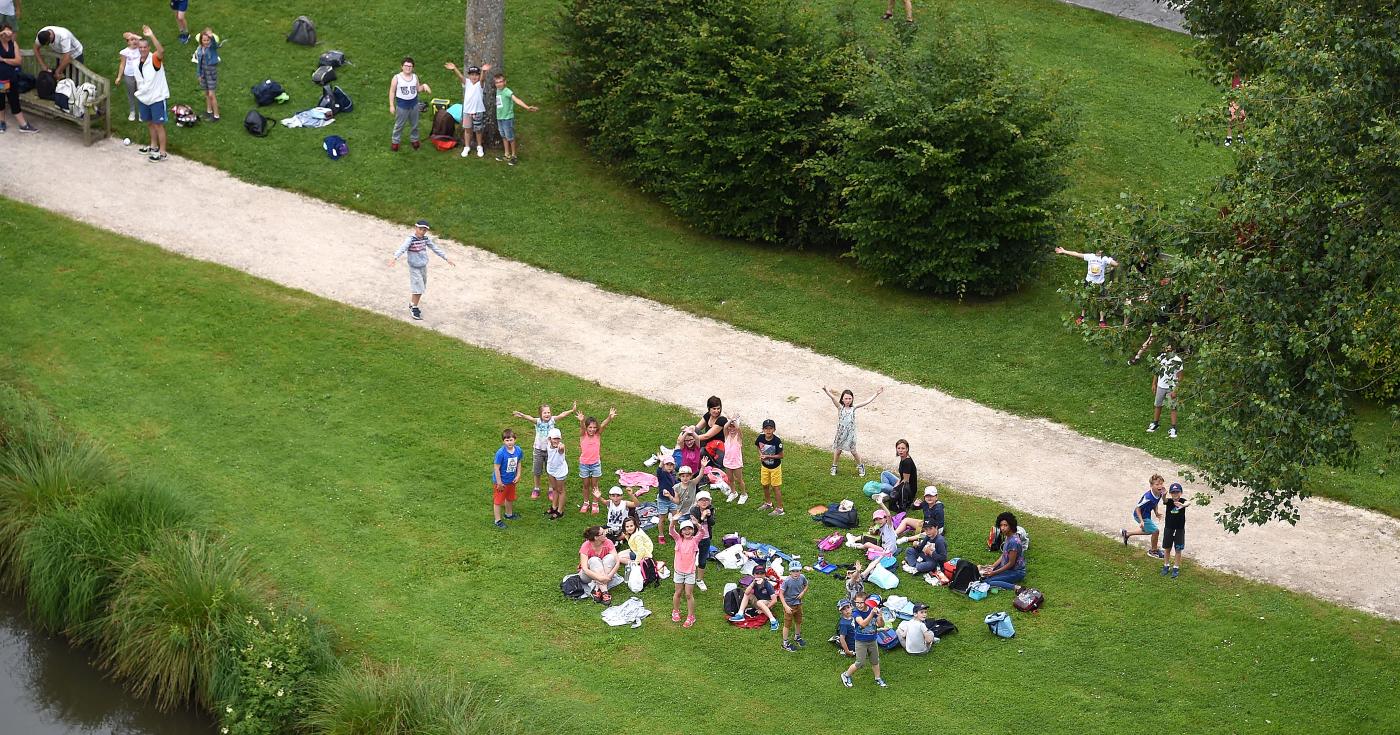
[504, 473]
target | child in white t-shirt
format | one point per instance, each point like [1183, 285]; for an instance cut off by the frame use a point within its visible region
[473, 107]
[1095, 276]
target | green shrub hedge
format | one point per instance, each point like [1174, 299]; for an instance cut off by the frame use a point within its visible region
[930, 162]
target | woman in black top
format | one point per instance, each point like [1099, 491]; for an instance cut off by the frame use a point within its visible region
[899, 488]
[9, 69]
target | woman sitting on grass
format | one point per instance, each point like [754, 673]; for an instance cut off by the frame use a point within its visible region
[1011, 567]
[597, 564]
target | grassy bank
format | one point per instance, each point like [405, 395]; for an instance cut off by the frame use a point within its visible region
[350, 451]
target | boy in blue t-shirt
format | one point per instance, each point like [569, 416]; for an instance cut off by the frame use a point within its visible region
[846, 629]
[1143, 514]
[504, 472]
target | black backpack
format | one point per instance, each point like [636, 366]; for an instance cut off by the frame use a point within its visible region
[573, 587]
[323, 75]
[965, 574]
[332, 59]
[24, 81]
[837, 518]
[46, 83]
[266, 92]
[444, 126]
[650, 578]
[303, 32]
[335, 99]
[940, 627]
[256, 124]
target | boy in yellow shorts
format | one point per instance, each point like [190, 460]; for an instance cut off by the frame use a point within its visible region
[770, 473]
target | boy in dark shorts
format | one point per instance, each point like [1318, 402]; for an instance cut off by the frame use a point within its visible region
[1174, 528]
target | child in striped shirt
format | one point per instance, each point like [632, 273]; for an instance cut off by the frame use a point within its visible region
[416, 246]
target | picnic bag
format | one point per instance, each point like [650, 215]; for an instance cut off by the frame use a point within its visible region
[837, 518]
[887, 638]
[303, 32]
[1029, 600]
[964, 575]
[336, 149]
[999, 623]
[978, 590]
[266, 92]
[832, 542]
[335, 98]
[323, 75]
[332, 59]
[256, 124]
[636, 580]
[573, 587]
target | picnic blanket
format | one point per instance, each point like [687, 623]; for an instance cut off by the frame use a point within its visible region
[636, 479]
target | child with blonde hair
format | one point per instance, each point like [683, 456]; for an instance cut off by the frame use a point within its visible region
[845, 440]
[734, 462]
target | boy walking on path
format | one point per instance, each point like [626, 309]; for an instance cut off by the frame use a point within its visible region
[1094, 276]
[792, 590]
[505, 117]
[1165, 377]
[770, 473]
[1175, 538]
[417, 245]
[473, 109]
[1142, 516]
[504, 473]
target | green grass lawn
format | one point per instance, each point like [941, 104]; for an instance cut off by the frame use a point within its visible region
[564, 212]
[350, 452]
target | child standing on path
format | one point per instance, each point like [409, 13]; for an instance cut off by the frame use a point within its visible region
[793, 589]
[1094, 278]
[403, 103]
[473, 109]
[1175, 538]
[683, 569]
[505, 117]
[543, 424]
[846, 426]
[734, 461]
[1143, 512]
[770, 472]
[590, 456]
[417, 245]
[558, 469]
[868, 621]
[504, 473]
[1165, 378]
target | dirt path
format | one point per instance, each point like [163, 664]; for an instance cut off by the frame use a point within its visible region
[1336, 552]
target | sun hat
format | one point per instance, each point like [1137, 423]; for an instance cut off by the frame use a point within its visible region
[685, 470]
[702, 495]
[931, 490]
[615, 490]
[1175, 488]
[555, 434]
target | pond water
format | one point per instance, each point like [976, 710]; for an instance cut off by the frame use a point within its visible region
[48, 688]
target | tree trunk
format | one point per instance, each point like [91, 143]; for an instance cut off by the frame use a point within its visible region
[485, 44]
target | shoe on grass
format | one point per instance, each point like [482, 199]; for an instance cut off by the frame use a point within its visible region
[788, 647]
[500, 524]
[416, 144]
[908, 569]
[772, 625]
[860, 470]
[689, 621]
[846, 679]
[765, 506]
[881, 682]
[512, 516]
[1171, 433]
[1165, 569]
[131, 116]
[700, 585]
[1157, 553]
[394, 147]
[1175, 571]
[480, 152]
[777, 512]
[833, 470]
[743, 498]
[737, 617]
[675, 616]
[1124, 534]
[535, 494]
[800, 643]
[1152, 427]
[466, 151]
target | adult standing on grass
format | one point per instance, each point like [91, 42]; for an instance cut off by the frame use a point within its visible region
[9, 14]
[62, 42]
[9, 67]
[127, 59]
[505, 117]
[1095, 277]
[598, 563]
[1166, 375]
[207, 59]
[1010, 568]
[1143, 512]
[179, 7]
[152, 92]
[416, 246]
[404, 89]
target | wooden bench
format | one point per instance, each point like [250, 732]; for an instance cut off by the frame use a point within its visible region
[96, 121]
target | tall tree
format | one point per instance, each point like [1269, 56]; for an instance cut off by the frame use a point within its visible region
[485, 44]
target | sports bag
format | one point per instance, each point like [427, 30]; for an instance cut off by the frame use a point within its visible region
[332, 59]
[1029, 600]
[732, 598]
[266, 92]
[573, 587]
[444, 132]
[887, 638]
[184, 116]
[256, 124]
[336, 149]
[335, 98]
[45, 84]
[303, 32]
[995, 539]
[978, 590]
[999, 623]
[24, 81]
[941, 626]
[964, 575]
[832, 542]
[873, 488]
[62, 92]
[323, 75]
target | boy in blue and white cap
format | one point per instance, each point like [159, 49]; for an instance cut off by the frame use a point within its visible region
[417, 245]
[1174, 528]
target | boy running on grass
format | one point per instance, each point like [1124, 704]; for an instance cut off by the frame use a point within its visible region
[1142, 516]
[1175, 538]
[770, 472]
[1165, 377]
[505, 117]
[417, 245]
[504, 472]
[793, 589]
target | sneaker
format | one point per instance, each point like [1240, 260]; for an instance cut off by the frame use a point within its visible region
[660, 539]
[583, 508]
[908, 569]
[932, 580]
[788, 647]
[675, 616]
[480, 152]
[156, 157]
[730, 496]
[1171, 433]
[415, 144]
[27, 128]
[1175, 571]
[765, 506]
[511, 161]
[1124, 534]
[1152, 427]
[846, 679]
[184, 38]
[145, 149]
[1079, 319]
[416, 312]
[772, 625]
[498, 158]
[1135, 359]
[500, 524]
[535, 494]
[593, 507]
[394, 147]
[881, 682]
[736, 618]
[208, 116]
[860, 470]
[800, 643]
[1165, 568]
[833, 470]
[3, 126]
[777, 512]
[512, 516]
[700, 585]
[466, 152]
[689, 621]
[1103, 324]
[131, 116]
[216, 118]
[1157, 553]
[1228, 140]
[743, 498]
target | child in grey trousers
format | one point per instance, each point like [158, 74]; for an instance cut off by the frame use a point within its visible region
[417, 245]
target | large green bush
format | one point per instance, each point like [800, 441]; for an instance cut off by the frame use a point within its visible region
[930, 162]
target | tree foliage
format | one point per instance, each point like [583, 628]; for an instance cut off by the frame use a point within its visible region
[1290, 264]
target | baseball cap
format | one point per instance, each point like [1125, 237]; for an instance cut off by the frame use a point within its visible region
[873, 603]
[931, 490]
[668, 459]
[422, 223]
[881, 513]
[554, 434]
[685, 470]
[615, 490]
[702, 495]
[920, 606]
[473, 70]
[769, 424]
[1175, 488]
[843, 604]
[685, 524]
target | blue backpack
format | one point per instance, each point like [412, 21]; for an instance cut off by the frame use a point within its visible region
[999, 623]
[335, 147]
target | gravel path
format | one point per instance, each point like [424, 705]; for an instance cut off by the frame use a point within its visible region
[1335, 552]
[1152, 12]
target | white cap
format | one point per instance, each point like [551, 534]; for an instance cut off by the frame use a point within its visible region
[615, 490]
[702, 495]
[685, 524]
[931, 490]
[685, 470]
[554, 434]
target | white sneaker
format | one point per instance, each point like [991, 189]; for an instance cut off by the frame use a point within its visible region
[908, 569]
[1171, 433]
[833, 470]
[466, 151]
[480, 152]
[700, 585]
[932, 580]
[729, 497]
[743, 498]
[131, 116]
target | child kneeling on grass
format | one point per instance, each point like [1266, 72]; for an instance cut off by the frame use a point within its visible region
[687, 546]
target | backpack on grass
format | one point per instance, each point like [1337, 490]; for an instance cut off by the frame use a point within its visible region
[964, 576]
[332, 59]
[255, 123]
[303, 32]
[266, 92]
[887, 638]
[573, 587]
[444, 132]
[335, 147]
[650, 576]
[335, 99]
[323, 75]
[184, 116]
[941, 627]
[1029, 600]
[999, 623]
